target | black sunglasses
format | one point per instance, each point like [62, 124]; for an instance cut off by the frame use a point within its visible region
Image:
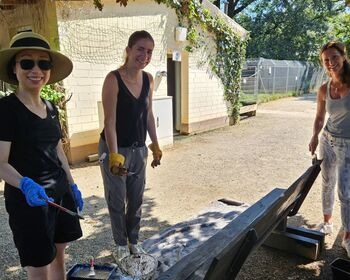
[27, 64]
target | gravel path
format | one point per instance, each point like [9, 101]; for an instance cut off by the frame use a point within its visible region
[241, 163]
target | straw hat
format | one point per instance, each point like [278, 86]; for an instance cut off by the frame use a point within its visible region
[62, 65]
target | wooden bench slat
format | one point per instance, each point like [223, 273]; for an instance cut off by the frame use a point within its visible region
[263, 216]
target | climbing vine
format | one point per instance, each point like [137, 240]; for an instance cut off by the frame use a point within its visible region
[227, 63]
[228, 60]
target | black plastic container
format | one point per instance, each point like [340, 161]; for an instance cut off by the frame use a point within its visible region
[81, 271]
[341, 269]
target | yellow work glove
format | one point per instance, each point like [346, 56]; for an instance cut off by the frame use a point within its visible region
[116, 164]
[157, 154]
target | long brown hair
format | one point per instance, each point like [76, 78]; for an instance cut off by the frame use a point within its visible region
[134, 38]
[341, 48]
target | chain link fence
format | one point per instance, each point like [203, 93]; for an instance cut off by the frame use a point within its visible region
[279, 77]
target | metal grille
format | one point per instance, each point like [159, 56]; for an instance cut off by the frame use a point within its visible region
[267, 76]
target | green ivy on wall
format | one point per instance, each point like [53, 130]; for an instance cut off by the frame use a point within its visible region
[56, 94]
[227, 63]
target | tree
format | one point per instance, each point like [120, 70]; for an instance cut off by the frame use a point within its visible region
[236, 7]
[288, 29]
[340, 29]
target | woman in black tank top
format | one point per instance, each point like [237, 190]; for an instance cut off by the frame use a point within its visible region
[127, 103]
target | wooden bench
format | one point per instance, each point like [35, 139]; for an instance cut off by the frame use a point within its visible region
[248, 109]
[222, 256]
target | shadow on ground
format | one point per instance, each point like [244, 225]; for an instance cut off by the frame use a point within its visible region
[99, 243]
[292, 264]
[97, 240]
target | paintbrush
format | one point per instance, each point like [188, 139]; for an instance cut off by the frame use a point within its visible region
[64, 209]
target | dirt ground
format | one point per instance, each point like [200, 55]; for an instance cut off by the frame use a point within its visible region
[241, 163]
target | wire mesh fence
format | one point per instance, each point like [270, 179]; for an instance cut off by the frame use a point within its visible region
[282, 77]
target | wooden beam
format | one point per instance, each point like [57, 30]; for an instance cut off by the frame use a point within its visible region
[17, 2]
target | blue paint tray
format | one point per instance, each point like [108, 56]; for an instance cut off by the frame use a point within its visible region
[81, 271]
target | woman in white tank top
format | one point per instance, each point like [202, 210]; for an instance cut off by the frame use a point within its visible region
[333, 97]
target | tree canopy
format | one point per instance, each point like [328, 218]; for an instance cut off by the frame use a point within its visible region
[340, 28]
[290, 29]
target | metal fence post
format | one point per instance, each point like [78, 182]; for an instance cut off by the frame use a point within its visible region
[287, 78]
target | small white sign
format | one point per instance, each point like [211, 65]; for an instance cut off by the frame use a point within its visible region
[180, 34]
[176, 55]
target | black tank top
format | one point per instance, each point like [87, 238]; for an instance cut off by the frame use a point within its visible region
[131, 125]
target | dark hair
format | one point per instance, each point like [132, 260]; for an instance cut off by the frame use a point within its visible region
[135, 37]
[10, 67]
[341, 48]
[138, 35]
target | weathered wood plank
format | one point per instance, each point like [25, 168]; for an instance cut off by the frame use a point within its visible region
[263, 216]
[217, 243]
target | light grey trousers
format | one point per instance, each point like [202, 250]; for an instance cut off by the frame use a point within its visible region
[335, 168]
[124, 194]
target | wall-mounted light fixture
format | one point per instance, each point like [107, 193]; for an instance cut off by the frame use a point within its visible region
[180, 34]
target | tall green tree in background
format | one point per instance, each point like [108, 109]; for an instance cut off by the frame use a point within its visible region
[286, 29]
[235, 6]
[340, 29]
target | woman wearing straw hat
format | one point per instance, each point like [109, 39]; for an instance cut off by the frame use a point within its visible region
[32, 161]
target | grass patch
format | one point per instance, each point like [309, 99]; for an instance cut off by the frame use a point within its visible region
[264, 97]
[249, 99]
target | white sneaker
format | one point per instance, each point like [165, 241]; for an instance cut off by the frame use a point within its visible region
[121, 252]
[136, 249]
[326, 228]
[346, 245]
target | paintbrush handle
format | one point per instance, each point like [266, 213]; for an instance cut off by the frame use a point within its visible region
[64, 209]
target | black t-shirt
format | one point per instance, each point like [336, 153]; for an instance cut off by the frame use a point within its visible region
[34, 141]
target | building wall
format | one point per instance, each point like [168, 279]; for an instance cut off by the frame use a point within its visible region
[206, 108]
[39, 17]
[96, 41]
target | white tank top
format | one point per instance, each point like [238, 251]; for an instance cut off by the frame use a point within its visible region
[338, 123]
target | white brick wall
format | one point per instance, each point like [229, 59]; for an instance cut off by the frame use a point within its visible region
[87, 78]
[205, 90]
[109, 31]
[206, 99]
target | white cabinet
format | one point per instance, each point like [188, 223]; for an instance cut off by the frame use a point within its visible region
[163, 116]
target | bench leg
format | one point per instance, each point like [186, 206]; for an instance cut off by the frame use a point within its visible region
[300, 241]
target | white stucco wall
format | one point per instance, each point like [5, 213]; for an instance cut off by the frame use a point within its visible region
[206, 99]
[96, 41]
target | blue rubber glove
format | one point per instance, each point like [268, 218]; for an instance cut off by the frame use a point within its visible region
[34, 193]
[77, 197]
